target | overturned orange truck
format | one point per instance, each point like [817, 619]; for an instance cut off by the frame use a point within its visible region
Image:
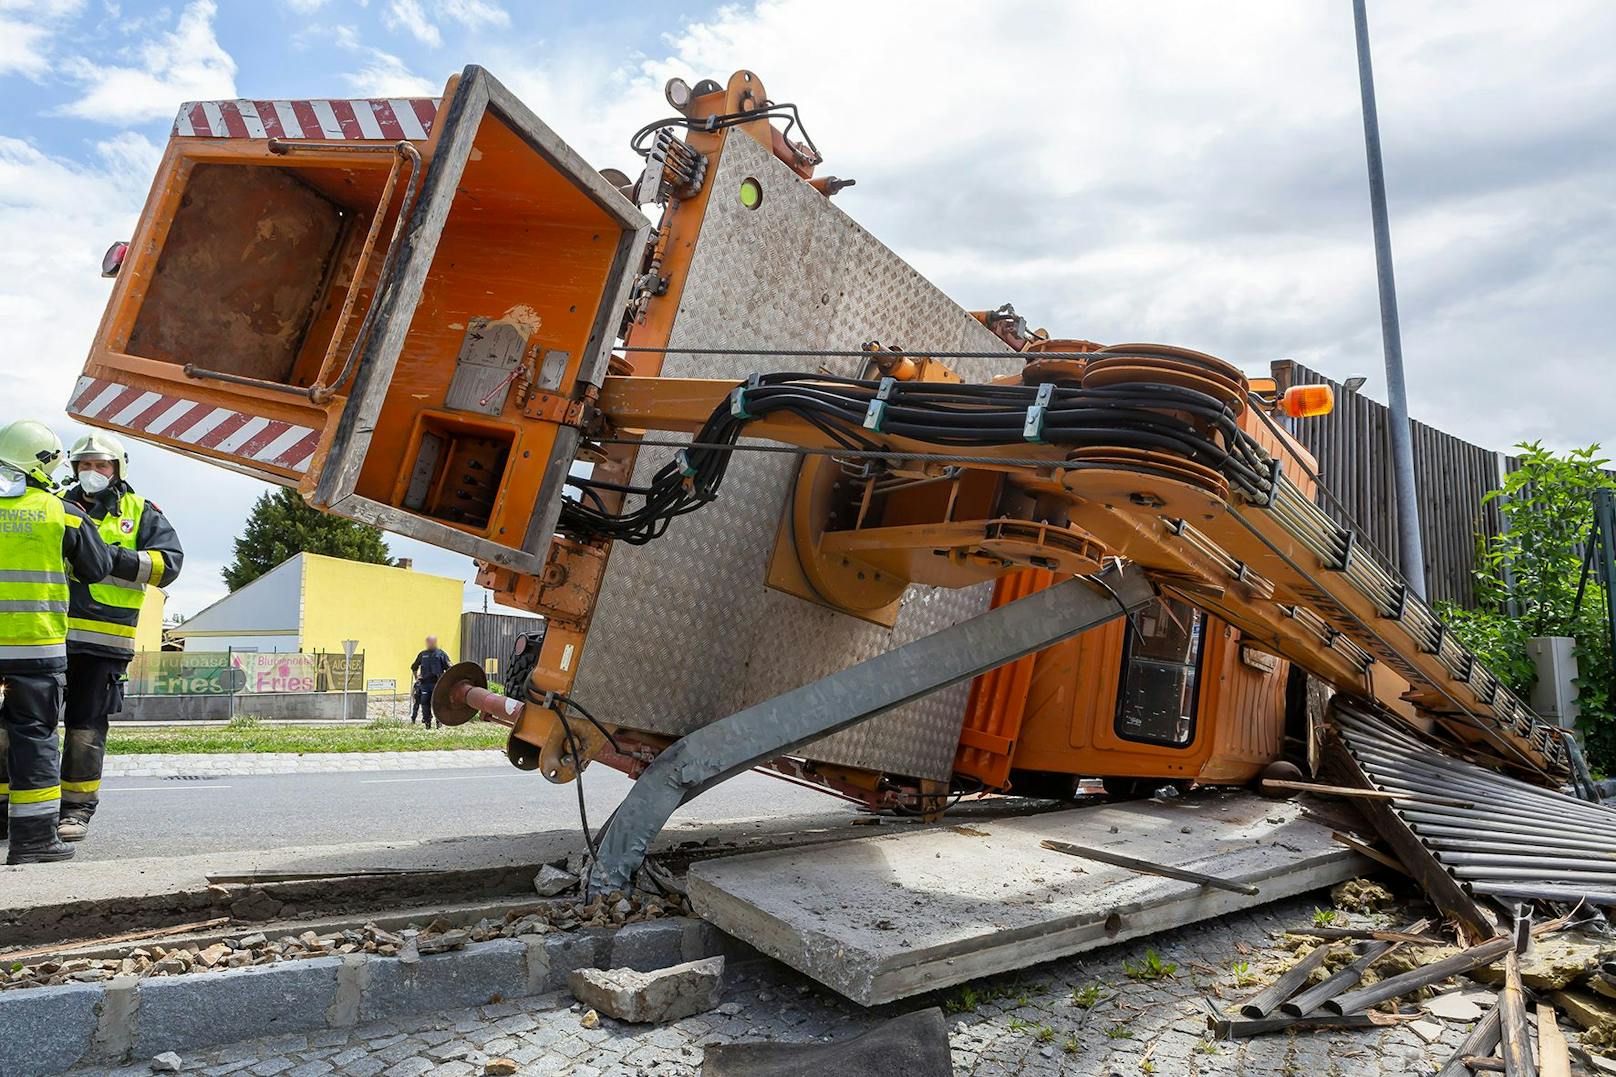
[747, 456]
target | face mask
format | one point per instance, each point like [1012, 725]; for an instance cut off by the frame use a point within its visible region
[93, 482]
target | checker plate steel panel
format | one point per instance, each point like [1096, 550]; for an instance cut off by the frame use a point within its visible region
[685, 630]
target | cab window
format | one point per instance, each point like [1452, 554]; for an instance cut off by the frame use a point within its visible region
[1160, 666]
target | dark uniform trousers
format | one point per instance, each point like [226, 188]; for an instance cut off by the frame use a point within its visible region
[28, 754]
[95, 686]
[422, 702]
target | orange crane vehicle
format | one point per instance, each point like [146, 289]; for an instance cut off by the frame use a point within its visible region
[435, 317]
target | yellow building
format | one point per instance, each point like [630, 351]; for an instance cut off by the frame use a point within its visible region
[311, 602]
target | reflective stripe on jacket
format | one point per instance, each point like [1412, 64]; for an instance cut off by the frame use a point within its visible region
[104, 614]
[33, 577]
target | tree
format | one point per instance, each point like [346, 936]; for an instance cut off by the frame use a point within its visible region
[1548, 503]
[282, 525]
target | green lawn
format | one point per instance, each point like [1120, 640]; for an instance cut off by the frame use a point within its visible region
[251, 735]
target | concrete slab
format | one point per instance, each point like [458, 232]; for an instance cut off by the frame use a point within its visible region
[887, 917]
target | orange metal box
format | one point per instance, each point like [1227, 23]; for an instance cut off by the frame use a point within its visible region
[393, 305]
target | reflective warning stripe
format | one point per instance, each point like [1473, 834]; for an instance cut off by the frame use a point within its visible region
[154, 564]
[21, 576]
[195, 424]
[35, 796]
[21, 810]
[16, 652]
[81, 792]
[91, 625]
[31, 605]
[100, 639]
[334, 119]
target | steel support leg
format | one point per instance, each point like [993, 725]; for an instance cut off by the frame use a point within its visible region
[779, 726]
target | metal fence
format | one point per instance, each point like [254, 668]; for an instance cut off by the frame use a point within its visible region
[185, 673]
[1453, 475]
[485, 636]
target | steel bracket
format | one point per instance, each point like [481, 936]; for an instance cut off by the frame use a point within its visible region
[779, 726]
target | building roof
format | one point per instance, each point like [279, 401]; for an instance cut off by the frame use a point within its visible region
[273, 602]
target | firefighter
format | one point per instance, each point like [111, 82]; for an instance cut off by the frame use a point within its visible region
[102, 616]
[41, 537]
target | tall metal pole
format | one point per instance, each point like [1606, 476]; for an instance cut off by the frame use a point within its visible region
[1410, 549]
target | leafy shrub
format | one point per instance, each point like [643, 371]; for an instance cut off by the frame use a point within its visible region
[1548, 505]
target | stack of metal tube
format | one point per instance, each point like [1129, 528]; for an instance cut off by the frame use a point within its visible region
[1496, 835]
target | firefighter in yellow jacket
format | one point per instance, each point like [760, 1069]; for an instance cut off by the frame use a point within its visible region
[41, 537]
[101, 617]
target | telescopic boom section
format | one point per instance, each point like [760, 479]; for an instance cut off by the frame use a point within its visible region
[1157, 453]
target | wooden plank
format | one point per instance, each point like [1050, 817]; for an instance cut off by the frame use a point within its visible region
[996, 900]
[1553, 1053]
[127, 936]
[1371, 852]
[1147, 868]
[1482, 1041]
[1286, 785]
[1367, 933]
[1441, 887]
[1516, 1033]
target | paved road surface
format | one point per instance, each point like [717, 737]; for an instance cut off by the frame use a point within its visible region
[146, 816]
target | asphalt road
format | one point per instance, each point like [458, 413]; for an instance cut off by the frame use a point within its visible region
[141, 817]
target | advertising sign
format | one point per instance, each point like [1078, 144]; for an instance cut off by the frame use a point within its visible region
[277, 672]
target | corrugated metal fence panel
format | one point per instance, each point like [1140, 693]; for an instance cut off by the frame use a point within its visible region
[1351, 446]
[490, 635]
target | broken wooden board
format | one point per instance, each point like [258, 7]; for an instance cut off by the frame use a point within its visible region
[890, 916]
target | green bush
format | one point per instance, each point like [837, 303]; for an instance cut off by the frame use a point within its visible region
[1548, 504]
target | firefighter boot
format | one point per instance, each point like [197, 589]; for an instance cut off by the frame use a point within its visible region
[74, 823]
[34, 841]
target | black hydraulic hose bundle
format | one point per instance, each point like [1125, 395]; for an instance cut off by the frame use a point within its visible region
[1169, 419]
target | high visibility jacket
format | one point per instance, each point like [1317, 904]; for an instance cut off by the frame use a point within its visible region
[40, 538]
[145, 549]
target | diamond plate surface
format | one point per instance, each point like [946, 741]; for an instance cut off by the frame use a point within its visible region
[685, 631]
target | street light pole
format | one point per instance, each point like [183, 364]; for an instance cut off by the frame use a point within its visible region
[1410, 549]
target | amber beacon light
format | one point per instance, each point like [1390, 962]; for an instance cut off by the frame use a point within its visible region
[1306, 401]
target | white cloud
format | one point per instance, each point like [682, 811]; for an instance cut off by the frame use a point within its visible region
[382, 74]
[27, 32]
[305, 7]
[1169, 171]
[408, 15]
[474, 13]
[1179, 172]
[186, 64]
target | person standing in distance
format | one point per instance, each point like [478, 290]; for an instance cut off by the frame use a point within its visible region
[41, 537]
[428, 666]
[102, 616]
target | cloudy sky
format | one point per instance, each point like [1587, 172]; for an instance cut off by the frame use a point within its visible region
[1173, 171]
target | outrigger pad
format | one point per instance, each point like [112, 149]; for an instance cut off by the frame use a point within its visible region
[914, 1045]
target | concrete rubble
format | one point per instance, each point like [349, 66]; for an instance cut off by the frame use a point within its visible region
[651, 997]
[408, 944]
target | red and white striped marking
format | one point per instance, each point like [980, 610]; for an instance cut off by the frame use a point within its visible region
[190, 422]
[375, 118]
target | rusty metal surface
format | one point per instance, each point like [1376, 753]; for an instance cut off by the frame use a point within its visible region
[240, 273]
[685, 631]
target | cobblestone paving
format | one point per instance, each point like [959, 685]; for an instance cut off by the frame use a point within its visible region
[166, 766]
[1023, 1024]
